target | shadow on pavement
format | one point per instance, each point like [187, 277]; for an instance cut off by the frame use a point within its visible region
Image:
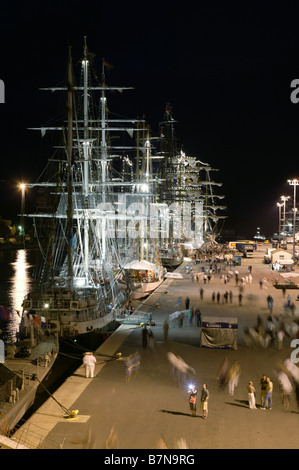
[242, 403]
[177, 413]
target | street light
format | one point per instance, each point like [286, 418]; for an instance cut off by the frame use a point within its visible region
[284, 200]
[22, 187]
[279, 205]
[294, 182]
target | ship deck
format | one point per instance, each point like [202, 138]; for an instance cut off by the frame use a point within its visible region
[32, 370]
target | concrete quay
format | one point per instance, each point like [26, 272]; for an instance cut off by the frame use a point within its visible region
[152, 408]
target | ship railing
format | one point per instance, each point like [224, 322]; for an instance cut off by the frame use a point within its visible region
[11, 390]
[121, 312]
[139, 318]
[34, 437]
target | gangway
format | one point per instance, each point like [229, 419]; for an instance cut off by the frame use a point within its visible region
[125, 317]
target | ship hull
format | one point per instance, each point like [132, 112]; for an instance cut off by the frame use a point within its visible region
[69, 315]
[142, 289]
[171, 263]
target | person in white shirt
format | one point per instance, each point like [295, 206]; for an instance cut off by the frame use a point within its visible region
[89, 362]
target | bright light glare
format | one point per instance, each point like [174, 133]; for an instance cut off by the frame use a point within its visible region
[144, 188]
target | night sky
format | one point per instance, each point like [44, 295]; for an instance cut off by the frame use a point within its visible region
[226, 69]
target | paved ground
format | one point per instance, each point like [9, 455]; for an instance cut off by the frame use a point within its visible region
[153, 406]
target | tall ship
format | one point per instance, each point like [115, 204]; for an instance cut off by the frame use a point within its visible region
[77, 289]
[142, 269]
[187, 185]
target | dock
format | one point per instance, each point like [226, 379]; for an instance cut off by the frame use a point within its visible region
[151, 410]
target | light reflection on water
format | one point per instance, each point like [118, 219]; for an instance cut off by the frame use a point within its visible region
[15, 283]
[20, 281]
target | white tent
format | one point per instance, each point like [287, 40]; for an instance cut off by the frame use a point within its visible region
[141, 265]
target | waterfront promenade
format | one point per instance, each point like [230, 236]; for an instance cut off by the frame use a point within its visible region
[152, 407]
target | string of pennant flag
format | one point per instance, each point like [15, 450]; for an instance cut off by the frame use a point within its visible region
[28, 318]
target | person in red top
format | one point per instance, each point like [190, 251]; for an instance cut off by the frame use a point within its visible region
[192, 400]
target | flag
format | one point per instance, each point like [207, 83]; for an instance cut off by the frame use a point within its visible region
[3, 313]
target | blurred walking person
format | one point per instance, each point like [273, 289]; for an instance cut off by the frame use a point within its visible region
[132, 365]
[270, 303]
[151, 340]
[198, 318]
[223, 373]
[178, 304]
[144, 337]
[179, 368]
[233, 377]
[286, 389]
[201, 291]
[280, 338]
[166, 328]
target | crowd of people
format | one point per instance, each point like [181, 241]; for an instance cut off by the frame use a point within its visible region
[267, 332]
[286, 374]
[271, 332]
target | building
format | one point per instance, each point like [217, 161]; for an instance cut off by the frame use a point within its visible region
[281, 259]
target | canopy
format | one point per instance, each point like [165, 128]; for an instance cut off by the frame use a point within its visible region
[173, 276]
[219, 332]
[140, 264]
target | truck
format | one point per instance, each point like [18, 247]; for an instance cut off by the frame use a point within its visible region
[246, 249]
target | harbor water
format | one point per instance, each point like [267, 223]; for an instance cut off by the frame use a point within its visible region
[16, 277]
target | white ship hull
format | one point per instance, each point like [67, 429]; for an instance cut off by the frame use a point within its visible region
[76, 328]
[143, 289]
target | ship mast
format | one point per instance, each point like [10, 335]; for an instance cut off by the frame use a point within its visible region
[85, 64]
[103, 154]
[69, 172]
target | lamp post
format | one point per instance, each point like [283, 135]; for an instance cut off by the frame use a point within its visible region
[284, 199]
[294, 182]
[23, 187]
[279, 205]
